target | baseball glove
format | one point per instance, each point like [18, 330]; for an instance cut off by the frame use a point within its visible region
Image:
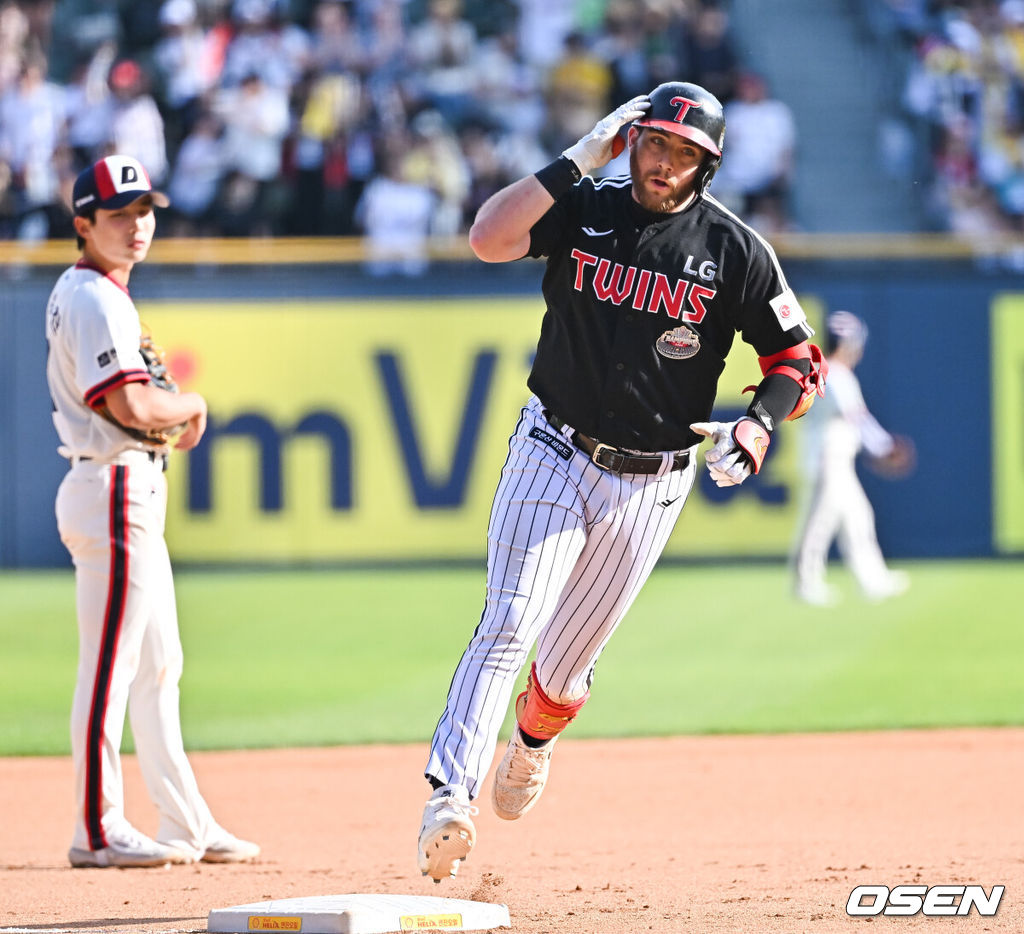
[153, 356]
[899, 462]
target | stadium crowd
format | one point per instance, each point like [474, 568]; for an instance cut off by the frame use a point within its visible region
[393, 118]
[966, 83]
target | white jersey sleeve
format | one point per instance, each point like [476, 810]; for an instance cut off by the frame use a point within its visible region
[93, 332]
[844, 389]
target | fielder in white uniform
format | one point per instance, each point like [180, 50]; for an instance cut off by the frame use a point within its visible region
[837, 431]
[110, 510]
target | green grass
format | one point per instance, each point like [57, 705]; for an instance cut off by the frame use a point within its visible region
[317, 657]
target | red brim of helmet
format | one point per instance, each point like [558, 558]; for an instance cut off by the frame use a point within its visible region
[691, 133]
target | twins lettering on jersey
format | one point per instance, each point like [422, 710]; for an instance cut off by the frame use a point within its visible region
[648, 290]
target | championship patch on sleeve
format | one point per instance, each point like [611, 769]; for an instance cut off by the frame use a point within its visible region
[788, 311]
[565, 451]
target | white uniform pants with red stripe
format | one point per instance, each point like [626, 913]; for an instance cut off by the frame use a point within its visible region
[569, 547]
[111, 519]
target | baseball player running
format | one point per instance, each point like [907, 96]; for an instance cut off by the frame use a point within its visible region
[837, 432]
[114, 426]
[648, 280]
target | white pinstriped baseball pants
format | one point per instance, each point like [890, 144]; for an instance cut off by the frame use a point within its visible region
[569, 547]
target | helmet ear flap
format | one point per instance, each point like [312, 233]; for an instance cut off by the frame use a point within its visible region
[707, 172]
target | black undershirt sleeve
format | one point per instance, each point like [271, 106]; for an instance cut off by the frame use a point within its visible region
[777, 395]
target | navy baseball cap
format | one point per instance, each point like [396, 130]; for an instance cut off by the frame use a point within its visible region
[111, 183]
[844, 327]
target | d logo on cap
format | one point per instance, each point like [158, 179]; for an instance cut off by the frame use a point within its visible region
[112, 183]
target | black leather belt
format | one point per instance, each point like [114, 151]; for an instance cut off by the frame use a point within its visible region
[611, 458]
[152, 455]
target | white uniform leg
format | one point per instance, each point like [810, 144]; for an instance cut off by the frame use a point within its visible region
[93, 508]
[858, 542]
[819, 528]
[155, 714]
[553, 553]
[111, 518]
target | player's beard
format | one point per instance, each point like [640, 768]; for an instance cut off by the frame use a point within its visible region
[660, 204]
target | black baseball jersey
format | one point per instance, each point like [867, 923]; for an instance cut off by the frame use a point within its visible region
[642, 308]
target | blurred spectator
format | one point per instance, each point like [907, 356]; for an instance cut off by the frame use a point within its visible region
[136, 127]
[32, 115]
[265, 44]
[666, 24]
[441, 51]
[505, 88]
[966, 86]
[488, 174]
[435, 161]
[187, 65]
[14, 32]
[709, 56]
[196, 178]
[282, 106]
[623, 46]
[90, 108]
[79, 27]
[578, 89]
[336, 46]
[329, 108]
[543, 28]
[760, 140]
[255, 117]
[395, 215]
[384, 48]
[487, 17]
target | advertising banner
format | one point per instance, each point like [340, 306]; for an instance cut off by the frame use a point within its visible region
[1008, 423]
[375, 431]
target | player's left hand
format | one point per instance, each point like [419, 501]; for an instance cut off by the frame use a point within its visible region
[899, 462]
[603, 143]
[739, 449]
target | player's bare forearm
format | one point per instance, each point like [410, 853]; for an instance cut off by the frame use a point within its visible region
[501, 230]
[141, 406]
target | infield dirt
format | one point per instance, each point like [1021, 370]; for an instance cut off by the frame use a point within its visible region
[703, 834]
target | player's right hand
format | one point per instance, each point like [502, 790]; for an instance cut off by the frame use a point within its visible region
[603, 143]
[739, 449]
[195, 427]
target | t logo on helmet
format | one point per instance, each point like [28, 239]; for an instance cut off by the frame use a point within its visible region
[684, 105]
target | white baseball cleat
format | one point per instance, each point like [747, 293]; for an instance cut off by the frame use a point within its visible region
[817, 594]
[129, 848]
[223, 847]
[520, 777]
[447, 833]
[227, 848]
[893, 584]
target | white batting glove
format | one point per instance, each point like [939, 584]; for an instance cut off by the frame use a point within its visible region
[603, 143]
[739, 449]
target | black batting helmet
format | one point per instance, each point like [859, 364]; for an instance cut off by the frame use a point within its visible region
[690, 111]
